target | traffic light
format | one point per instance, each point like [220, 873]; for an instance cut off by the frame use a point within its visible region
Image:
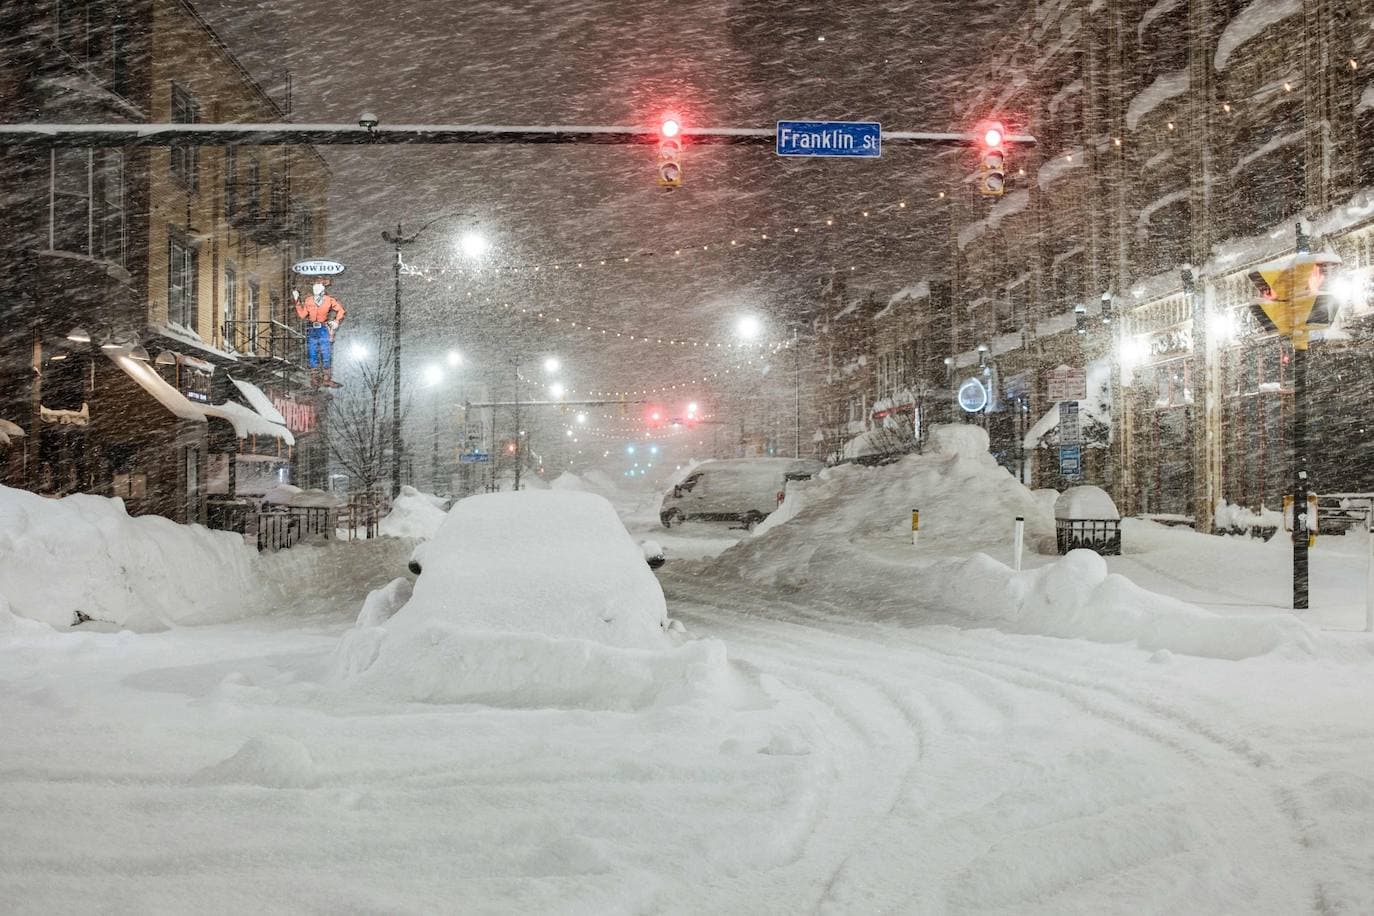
[992, 167]
[1293, 295]
[654, 416]
[670, 154]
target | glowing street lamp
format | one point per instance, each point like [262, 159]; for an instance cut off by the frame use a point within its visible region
[433, 375]
[552, 365]
[473, 245]
[557, 390]
[455, 358]
[748, 327]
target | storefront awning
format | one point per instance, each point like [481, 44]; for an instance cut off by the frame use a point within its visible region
[259, 401]
[248, 422]
[10, 431]
[1050, 421]
[148, 379]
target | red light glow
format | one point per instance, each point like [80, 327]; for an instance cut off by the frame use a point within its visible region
[993, 137]
[670, 127]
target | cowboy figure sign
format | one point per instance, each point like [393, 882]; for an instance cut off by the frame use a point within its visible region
[322, 314]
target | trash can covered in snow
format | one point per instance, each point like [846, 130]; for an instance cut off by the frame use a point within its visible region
[1085, 518]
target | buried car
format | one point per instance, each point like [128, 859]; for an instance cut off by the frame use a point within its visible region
[558, 562]
[745, 490]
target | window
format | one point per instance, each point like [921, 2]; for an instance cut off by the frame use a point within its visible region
[305, 241]
[184, 111]
[87, 203]
[73, 24]
[181, 280]
[71, 200]
[231, 180]
[252, 188]
[277, 194]
[253, 298]
[231, 299]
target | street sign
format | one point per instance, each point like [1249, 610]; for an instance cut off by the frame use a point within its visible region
[1070, 461]
[973, 395]
[862, 139]
[474, 458]
[474, 431]
[1070, 432]
[1065, 384]
[317, 267]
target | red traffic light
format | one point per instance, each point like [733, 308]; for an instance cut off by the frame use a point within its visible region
[670, 127]
[992, 137]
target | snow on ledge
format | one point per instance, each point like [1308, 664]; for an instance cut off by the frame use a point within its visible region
[1157, 93]
[1250, 22]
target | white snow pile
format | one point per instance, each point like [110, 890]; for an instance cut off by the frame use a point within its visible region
[529, 599]
[85, 555]
[1076, 597]
[845, 540]
[274, 762]
[414, 515]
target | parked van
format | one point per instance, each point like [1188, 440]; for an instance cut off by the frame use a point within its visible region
[744, 490]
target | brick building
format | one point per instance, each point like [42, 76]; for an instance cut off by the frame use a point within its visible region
[149, 350]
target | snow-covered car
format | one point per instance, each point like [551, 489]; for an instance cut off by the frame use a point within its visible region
[744, 490]
[559, 562]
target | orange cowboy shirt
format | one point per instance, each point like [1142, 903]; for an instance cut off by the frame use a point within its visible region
[311, 309]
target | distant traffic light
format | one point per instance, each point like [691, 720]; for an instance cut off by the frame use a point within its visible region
[992, 166]
[670, 154]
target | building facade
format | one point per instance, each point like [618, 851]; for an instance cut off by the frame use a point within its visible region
[1180, 144]
[149, 350]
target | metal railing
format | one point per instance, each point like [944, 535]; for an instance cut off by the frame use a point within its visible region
[269, 339]
[362, 516]
[273, 527]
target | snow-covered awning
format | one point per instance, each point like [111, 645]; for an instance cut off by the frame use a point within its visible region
[248, 422]
[258, 400]
[10, 431]
[1050, 421]
[148, 379]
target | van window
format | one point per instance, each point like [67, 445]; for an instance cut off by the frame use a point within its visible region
[690, 482]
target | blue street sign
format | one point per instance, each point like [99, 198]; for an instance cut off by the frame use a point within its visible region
[973, 395]
[863, 139]
[1070, 461]
[474, 457]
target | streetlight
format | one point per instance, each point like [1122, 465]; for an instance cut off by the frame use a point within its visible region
[551, 364]
[557, 390]
[748, 327]
[473, 245]
[358, 350]
[399, 240]
[455, 358]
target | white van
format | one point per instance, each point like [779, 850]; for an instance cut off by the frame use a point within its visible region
[743, 490]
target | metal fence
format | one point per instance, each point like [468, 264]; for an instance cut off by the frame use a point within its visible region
[273, 527]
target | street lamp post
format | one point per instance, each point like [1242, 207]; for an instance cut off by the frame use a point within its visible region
[399, 241]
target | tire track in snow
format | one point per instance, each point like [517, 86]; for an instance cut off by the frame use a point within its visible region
[1195, 741]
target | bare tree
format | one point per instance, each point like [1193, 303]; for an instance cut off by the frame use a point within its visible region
[359, 426]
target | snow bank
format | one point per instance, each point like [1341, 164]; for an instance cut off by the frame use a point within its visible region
[1086, 502]
[844, 539]
[85, 554]
[414, 515]
[1076, 597]
[529, 599]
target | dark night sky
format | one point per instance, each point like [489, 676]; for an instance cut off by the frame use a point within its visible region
[744, 63]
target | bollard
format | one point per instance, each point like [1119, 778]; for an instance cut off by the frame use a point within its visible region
[1018, 541]
[915, 525]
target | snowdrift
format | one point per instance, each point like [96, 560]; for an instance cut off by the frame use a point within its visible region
[414, 515]
[845, 539]
[535, 598]
[86, 554]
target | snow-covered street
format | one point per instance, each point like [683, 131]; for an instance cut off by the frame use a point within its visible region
[856, 768]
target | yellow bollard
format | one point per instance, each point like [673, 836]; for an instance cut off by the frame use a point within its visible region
[915, 525]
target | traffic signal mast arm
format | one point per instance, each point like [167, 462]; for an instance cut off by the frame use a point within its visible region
[284, 134]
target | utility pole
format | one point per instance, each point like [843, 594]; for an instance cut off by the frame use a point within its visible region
[397, 241]
[1300, 483]
[796, 394]
[519, 445]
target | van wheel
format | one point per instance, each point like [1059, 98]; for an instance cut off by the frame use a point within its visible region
[670, 518]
